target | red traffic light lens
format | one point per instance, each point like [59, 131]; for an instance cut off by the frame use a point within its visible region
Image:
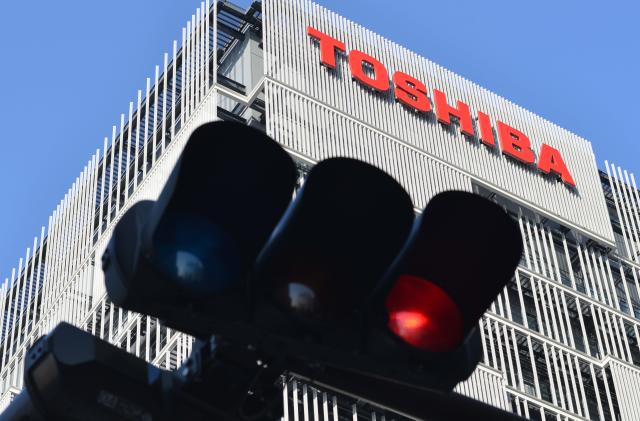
[423, 315]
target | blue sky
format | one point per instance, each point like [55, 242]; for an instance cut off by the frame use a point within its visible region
[69, 68]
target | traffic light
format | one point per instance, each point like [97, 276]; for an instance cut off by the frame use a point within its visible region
[343, 283]
[185, 256]
[345, 277]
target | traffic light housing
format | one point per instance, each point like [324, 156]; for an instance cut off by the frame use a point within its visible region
[184, 257]
[331, 247]
[347, 277]
[462, 251]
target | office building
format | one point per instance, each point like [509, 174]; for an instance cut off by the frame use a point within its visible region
[560, 342]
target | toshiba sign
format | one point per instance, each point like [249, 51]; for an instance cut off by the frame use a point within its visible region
[371, 73]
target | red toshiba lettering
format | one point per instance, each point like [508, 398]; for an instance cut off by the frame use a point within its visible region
[486, 131]
[551, 161]
[411, 92]
[380, 79]
[515, 144]
[328, 47]
[444, 111]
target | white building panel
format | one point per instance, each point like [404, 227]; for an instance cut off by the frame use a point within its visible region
[487, 385]
[292, 58]
[315, 132]
[626, 381]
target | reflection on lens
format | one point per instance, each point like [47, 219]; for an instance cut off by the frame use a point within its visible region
[188, 266]
[301, 298]
[196, 254]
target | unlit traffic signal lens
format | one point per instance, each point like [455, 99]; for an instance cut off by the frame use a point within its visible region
[196, 254]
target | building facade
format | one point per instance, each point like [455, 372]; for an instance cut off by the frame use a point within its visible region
[560, 342]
